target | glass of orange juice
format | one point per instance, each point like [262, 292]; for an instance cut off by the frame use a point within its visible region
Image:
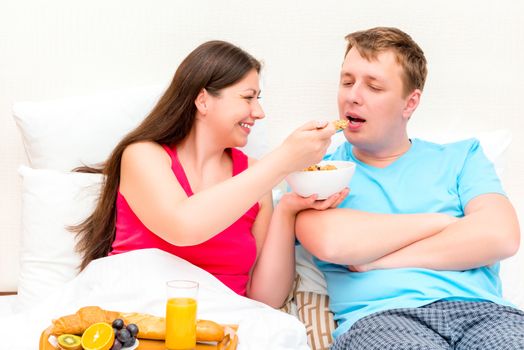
[181, 308]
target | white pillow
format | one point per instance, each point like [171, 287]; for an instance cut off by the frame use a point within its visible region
[65, 133]
[51, 200]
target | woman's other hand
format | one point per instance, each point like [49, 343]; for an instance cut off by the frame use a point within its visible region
[293, 203]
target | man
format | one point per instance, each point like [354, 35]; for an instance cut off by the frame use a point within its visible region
[411, 255]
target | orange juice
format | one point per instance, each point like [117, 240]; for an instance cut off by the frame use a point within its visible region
[181, 323]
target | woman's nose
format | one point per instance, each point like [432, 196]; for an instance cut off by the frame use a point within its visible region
[257, 111]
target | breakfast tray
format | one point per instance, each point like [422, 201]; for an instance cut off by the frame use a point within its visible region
[147, 344]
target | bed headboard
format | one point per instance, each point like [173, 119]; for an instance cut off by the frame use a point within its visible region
[474, 82]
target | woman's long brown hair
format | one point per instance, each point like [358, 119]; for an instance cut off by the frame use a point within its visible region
[213, 66]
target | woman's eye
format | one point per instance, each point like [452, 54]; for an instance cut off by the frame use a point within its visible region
[375, 88]
[347, 83]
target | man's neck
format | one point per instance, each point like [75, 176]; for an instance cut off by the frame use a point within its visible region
[381, 158]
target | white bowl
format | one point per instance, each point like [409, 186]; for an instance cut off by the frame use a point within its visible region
[322, 182]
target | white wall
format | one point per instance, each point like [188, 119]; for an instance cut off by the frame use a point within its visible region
[56, 48]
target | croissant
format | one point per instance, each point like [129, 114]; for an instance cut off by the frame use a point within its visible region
[83, 318]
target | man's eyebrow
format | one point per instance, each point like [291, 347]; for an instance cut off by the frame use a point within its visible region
[367, 77]
[372, 78]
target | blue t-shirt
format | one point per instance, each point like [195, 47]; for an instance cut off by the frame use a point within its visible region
[429, 178]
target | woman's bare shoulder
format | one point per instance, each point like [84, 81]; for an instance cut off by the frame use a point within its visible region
[144, 151]
[144, 164]
[143, 146]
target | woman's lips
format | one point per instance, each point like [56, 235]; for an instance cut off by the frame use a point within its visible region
[246, 127]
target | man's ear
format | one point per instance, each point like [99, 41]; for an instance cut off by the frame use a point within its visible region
[412, 102]
[201, 102]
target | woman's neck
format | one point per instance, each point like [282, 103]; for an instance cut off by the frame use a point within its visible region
[199, 155]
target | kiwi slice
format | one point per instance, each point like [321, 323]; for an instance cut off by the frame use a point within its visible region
[70, 342]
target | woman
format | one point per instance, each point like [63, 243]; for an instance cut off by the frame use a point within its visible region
[178, 183]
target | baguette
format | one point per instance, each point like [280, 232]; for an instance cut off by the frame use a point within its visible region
[154, 327]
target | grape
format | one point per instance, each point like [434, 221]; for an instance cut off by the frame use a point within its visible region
[133, 329]
[116, 345]
[123, 336]
[129, 343]
[118, 323]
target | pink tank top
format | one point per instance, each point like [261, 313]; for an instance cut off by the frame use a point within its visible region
[228, 255]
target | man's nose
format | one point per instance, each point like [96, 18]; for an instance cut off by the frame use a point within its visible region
[354, 94]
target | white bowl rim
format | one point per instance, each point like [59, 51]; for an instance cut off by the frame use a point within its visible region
[340, 164]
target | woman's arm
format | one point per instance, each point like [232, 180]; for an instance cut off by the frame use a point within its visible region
[154, 194]
[274, 270]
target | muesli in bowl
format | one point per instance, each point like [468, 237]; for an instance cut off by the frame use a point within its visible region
[325, 178]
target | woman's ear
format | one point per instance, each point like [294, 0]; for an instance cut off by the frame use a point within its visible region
[201, 102]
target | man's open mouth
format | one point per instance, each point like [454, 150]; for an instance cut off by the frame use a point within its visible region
[355, 120]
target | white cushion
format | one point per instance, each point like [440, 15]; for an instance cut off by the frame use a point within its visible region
[51, 200]
[66, 133]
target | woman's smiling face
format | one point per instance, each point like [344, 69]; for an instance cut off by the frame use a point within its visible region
[235, 110]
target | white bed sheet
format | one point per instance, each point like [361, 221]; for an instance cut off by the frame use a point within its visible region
[135, 281]
[6, 305]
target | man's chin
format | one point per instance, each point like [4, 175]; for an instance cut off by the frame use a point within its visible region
[355, 139]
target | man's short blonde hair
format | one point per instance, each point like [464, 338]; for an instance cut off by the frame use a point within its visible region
[410, 56]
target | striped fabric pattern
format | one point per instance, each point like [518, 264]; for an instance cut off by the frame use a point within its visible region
[312, 309]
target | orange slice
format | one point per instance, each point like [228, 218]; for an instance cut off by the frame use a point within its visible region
[99, 336]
